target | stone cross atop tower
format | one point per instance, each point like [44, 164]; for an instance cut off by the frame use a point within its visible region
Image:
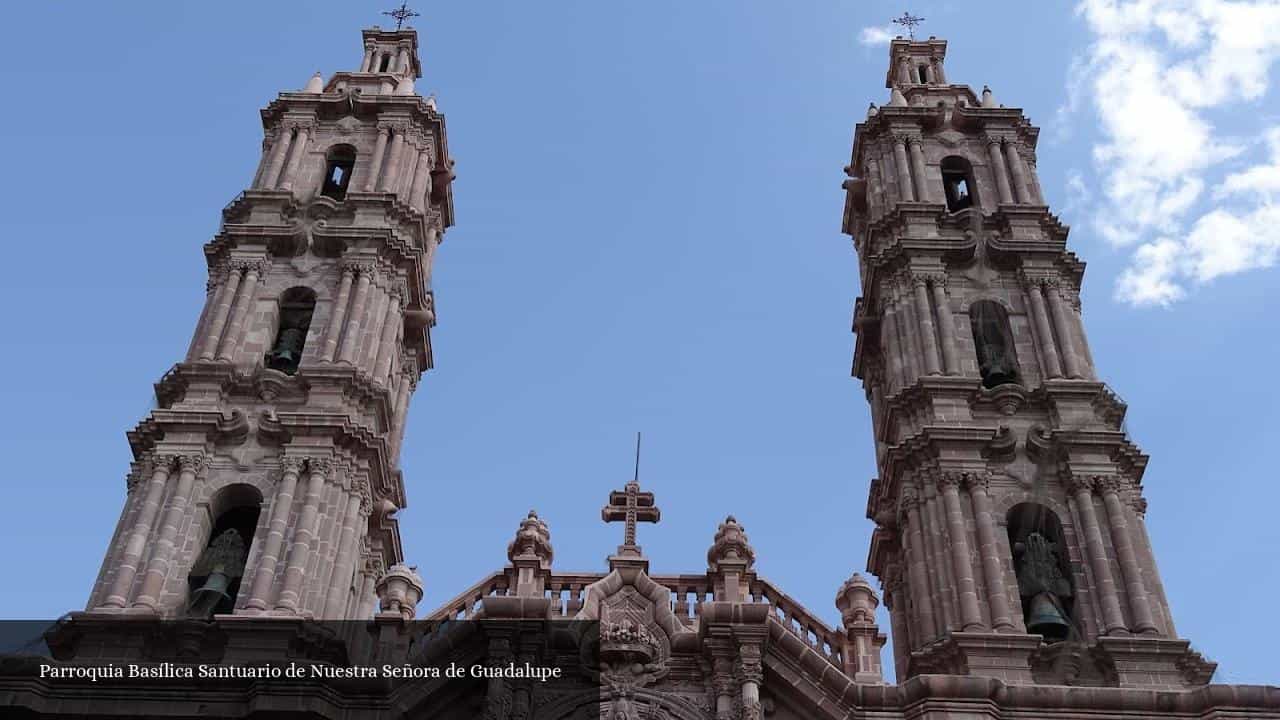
[630, 506]
[283, 424]
[1009, 512]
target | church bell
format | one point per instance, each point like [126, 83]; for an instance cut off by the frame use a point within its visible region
[1046, 618]
[213, 592]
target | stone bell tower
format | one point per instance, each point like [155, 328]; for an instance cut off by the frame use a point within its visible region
[267, 479]
[1009, 509]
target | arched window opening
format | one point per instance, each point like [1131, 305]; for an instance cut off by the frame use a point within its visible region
[993, 341]
[214, 580]
[923, 72]
[957, 183]
[1044, 577]
[297, 305]
[386, 63]
[337, 174]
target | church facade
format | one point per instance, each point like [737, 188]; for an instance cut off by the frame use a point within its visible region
[260, 523]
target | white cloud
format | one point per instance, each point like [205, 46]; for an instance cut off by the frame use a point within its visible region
[1158, 74]
[875, 35]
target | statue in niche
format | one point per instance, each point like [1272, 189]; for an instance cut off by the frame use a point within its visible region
[221, 564]
[994, 344]
[1044, 590]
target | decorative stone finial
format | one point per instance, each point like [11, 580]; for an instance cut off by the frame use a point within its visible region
[405, 86]
[988, 99]
[533, 540]
[730, 547]
[896, 98]
[315, 85]
[873, 110]
[431, 101]
[400, 590]
[857, 602]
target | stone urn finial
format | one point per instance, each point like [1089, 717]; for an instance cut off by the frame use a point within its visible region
[315, 85]
[533, 540]
[988, 99]
[857, 602]
[730, 547]
[400, 590]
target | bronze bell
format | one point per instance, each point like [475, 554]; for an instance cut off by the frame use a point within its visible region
[208, 597]
[282, 358]
[1046, 618]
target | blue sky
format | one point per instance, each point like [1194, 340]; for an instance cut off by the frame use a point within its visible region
[648, 204]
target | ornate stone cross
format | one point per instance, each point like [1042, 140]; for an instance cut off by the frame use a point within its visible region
[631, 506]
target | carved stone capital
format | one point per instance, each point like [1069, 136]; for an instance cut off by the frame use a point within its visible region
[976, 481]
[1081, 484]
[1109, 484]
[919, 280]
[948, 479]
[359, 267]
[292, 464]
[749, 665]
[320, 466]
[163, 461]
[366, 497]
[192, 463]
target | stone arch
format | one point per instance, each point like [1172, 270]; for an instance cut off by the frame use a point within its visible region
[339, 162]
[297, 308]
[994, 343]
[233, 506]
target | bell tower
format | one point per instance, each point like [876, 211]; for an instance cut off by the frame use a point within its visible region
[1009, 508]
[267, 479]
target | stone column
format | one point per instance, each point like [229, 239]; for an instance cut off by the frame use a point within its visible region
[359, 504]
[902, 642]
[939, 73]
[387, 182]
[375, 162]
[904, 175]
[966, 587]
[253, 270]
[303, 535]
[1070, 360]
[371, 337]
[939, 563]
[998, 170]
[946, 324]
[351, 335]
[421, 180]
[1020, 190]
[988, 547]
[925, 313]
[131, 560]
[338, 314]
[295, 157]
[889, 342]
[1130, 570]
[370, 573]
[367, 60]
[916, 565]
[917, 169]
[1082, 492]
[222, 309]
[390, 330]
[162, 554]
[751, 671]
[401, 414]
[908, 328]
[1044, 333]
[271, 176]
[402, 62]
[281, 506]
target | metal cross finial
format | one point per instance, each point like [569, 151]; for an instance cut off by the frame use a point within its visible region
[910, 22]
[631, 506]
[401, 14]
